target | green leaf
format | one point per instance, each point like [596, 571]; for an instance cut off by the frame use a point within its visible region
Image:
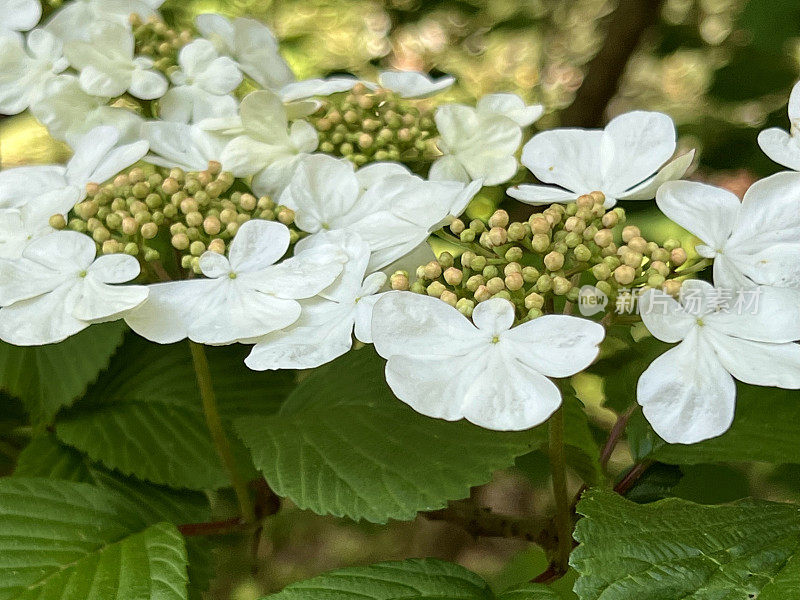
[530, 591]
[416, 579]
[144, 417]
[581, 451]
[46, 457]
[342, 444]
[766, 428]
[73, 541]
[47, 378]
[677, 550]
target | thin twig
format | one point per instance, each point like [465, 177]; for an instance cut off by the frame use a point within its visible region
[616, 434]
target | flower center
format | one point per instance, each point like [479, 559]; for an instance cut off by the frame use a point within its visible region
[495, 339]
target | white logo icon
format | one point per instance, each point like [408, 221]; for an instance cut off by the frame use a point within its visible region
[591, 301]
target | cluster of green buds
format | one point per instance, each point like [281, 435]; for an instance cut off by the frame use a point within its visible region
[156, 39]
[542, 263]
[366, 126]
[156, 214]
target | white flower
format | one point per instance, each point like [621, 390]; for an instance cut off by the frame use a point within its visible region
[36, 190]
[476, 145]
[407, 84]
[203, 85]
[25, 223]
[189, 147]
[781, 146]
[622, 160]
[688, 394]
[108, 66]
[388, 207]
[251, 44]
[27, 68]
[489, 373]
[19, 15]
[76, 19]
[269, 149]
[754, 242]
[58, 288]
[244, 296]
[511, 106]
[68, 112]
[325, 328]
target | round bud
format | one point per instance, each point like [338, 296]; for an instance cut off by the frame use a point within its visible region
[585, 201]
[110, 247]
[474, 282]
[150, 254]
[457, 226]
[180, 241]
[677, 257]
[604, 238]
[540, 243]
[194, 219]
[624, 274]
[418, 287]
[561, 285]
[514, 281]
[512, 267]
[573, 239]
[149, 231]
[660, 254]
[495, 284]
[514, 254]
[672, 287]
[660, 267]
[449, 297]
[432, 270]
[539, 224]
[141, 190]
[671, 244]
[630, 232]
[57, 222]
[399, 281]
[499, 219]
[601, 271]
[554, 261]
[170, 186]
[468, 236]
[632, 259]
[544, 284]
[101, 234]
[466, 258]
[453, 276]
[530, 274]
[490, 271]
[610, 220]
[504, 294]
[571, 209]
[189, 205]
[478, 263]
[582, 253]
[534, 300]
[497, 235]
[435, 289]
[612, 261]
[638, 244]
[197, 248]
[286, 216]
[131, 248]
[655, 281]
[482, 294]
[212, 225]
[217, 245]
[445, 260]
[465, 306]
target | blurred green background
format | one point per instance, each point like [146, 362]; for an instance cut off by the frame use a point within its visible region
[721, 68]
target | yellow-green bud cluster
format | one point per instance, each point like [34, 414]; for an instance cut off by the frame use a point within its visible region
[367, 126]
[541, 263]
[147, 212]
[156, 39]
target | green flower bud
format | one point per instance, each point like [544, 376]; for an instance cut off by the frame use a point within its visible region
[478, 263]
[466, 258]
[495, 284]
[477, 226]
[514, 254]
[572, 239]
[418, 287]
[630, 232]
[561, 285]
[141, 190]
[197, 248]
[544, 284]
[554, 261]
[624, 274]
[465, 306]
[534, 300]
[601, 271]
[514, 281]
[582, 253]
[540, 243]
[445, 260]
[149, 231]
[534, 313]
[150, 255]
[632, 259]
[101, 234]
[530, 274]
[474, 282]
[490, 271]
[180, 241]
[677, 257]
[57, 222]
[672, 287]
[504, 294]
[512, 267]
[131, 248]
[660, 255]
[453, 276]
[467, 236]
[659, 267]
[435, 289]
[671, 244]
[605, 287]
[612, 261]
[449, 298]
[573, 294]
[656, 281]
[457, 226]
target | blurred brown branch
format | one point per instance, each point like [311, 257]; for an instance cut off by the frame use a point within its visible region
[626, 27]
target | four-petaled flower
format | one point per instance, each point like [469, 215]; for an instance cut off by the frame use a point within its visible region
[688, 394]
[490, 373]
[624, 160]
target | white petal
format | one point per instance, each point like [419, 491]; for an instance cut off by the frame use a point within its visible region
[214, 265]
[555, 345]
[372, 173]
[540, 194]
[781, 147]
[303, 137]
[303, 276]
[664, 317]
[457, 124]
[350, 284]
[634, 146]
[300, 90]
[764, 314]
[448, 168]
[45, 319]
[413, 84]
[258, 244]
[769, 213]
[234, 312]
[147, 85]
[494, 316]
[182, 145]
[258, 55]
[115, 268]
[118, 160]
[686, 394]
[758, 363]
[102, 83]
[195, 57]
[62, 251]
[304, 347]
[404, 323]
[511, 106]
[89, 153]
[507, 395]
[245, 156]
[100, 302]
[674, 169]
[20, 15]
[164, 317]
[569, 158]
[263, 114]
[363, 315]
[21, 184]
[706, 211]
[794, 103]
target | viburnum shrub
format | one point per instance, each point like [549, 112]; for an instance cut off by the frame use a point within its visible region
[287, 289]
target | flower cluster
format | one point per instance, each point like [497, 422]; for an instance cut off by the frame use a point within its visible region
[242, 206]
